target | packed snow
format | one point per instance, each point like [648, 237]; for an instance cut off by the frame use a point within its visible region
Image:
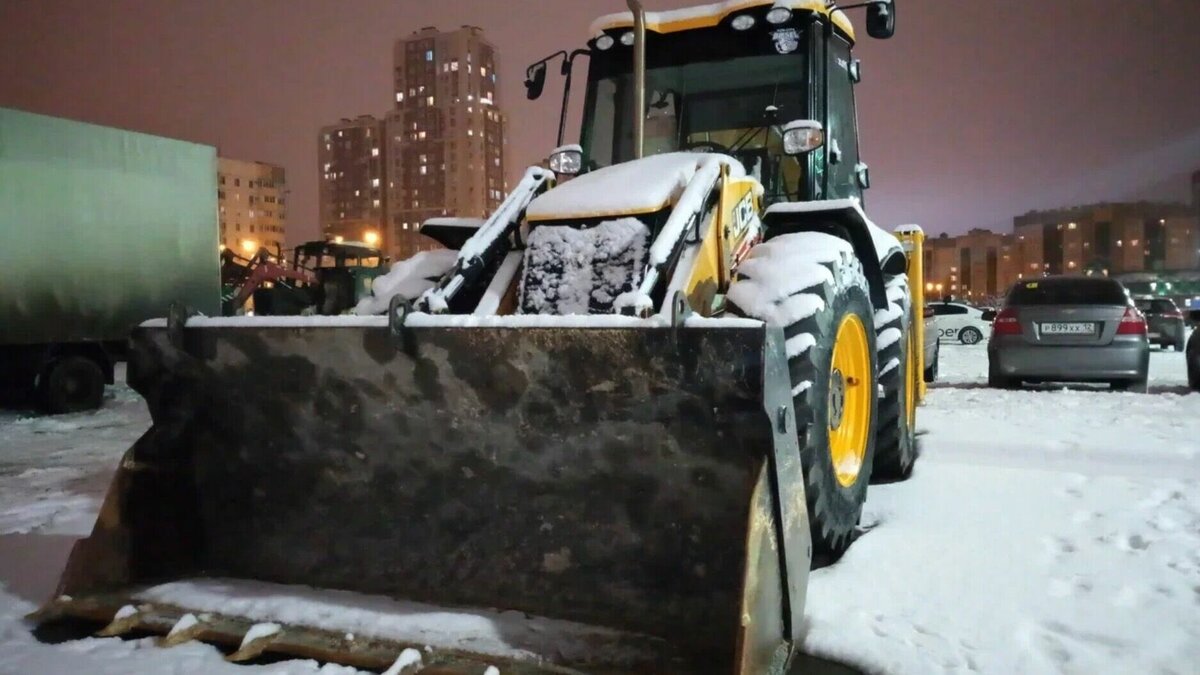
[1047, 530]
[570, 270]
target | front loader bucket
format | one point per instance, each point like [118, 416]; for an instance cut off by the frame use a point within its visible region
[621, 498]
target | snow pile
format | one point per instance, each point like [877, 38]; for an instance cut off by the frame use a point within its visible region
[641, 186]
[260, 631]
[571, 270]
[407, 279]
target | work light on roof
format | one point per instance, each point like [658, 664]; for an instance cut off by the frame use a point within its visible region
[743, 22]
[605, 42]
[779, 15]
[627, 38]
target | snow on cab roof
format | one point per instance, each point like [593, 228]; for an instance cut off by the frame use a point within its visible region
[707, 16]
[641, 186]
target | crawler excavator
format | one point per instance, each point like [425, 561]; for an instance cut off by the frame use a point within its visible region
[656, 382]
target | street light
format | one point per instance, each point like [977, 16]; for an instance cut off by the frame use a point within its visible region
[249, 246]
[371, 237]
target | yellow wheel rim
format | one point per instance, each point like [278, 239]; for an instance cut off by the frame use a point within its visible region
[912, 375]
[850, 391]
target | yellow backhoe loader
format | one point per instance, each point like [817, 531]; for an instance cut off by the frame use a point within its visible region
[656, 382]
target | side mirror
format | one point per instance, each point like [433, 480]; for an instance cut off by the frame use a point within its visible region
[802, 136]
[881, 19]
[535, 80]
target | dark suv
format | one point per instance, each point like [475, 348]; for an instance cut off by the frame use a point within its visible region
[1164, 322]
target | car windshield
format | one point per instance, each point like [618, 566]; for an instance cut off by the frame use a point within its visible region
[720, 105]
[1068, 292]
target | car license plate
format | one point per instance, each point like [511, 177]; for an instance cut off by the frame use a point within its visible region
[1072, 328]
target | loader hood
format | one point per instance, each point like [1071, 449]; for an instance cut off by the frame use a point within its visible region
[641, 186]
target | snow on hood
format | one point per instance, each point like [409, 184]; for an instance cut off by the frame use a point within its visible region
[640, 186]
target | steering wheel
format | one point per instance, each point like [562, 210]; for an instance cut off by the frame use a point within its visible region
[707, 146]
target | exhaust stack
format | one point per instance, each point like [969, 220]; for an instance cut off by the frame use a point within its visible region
[639, 77]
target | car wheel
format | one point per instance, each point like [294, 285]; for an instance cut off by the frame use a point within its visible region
[996, 380]
[970, 336]
[1134, 386]
[72, 385]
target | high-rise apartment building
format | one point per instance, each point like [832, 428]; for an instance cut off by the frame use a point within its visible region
[351, 157]
[251, 201]
[445, 134]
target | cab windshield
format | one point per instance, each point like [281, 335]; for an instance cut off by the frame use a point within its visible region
[733, 105]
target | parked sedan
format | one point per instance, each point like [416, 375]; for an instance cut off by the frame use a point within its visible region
[1164, 322]
[1069, 329]
[962, 323]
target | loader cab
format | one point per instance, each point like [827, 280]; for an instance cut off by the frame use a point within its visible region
[728, 83]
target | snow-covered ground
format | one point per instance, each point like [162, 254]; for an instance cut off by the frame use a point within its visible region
[1044, 531]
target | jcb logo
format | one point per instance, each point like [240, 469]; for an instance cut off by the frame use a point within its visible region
[744, 217]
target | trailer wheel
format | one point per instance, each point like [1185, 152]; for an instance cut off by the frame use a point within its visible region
[813, 286]
[72, 384]
[896, 445]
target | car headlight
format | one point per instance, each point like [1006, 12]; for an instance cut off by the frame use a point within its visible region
[802, 136]
[567, 160]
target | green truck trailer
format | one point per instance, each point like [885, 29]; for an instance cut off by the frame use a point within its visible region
[100, 229]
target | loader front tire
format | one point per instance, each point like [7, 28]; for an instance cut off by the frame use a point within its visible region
[896, 445]
[832, 361]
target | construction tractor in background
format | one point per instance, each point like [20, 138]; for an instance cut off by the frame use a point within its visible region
[323, 277]
[609, 439]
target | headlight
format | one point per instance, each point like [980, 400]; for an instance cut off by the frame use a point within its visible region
[779, 15]
[567, 160]
[802, 136]
[604, 43]
[627, 38]
[743, 22]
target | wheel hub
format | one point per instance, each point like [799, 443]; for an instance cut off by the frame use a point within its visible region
[837, 398]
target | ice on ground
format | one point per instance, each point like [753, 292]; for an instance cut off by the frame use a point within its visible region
[407, 279]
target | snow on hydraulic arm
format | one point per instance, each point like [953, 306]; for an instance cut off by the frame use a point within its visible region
[607, 441]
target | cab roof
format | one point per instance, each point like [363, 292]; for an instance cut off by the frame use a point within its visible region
[707, 16]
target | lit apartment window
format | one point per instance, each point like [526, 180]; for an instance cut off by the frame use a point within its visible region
[421, 135]
[454, 65]
[1071, 264]
[424, 170]
[429, 101]
[375, 203]
[1033, 266]
[1120, 244]
[470, 132]
[399, 97]
[374, 182]
[374, 152]
[483, 70]
[1070, 226]
[429, 55]
[356, 193]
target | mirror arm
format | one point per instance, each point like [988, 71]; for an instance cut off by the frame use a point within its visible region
[567, 70]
